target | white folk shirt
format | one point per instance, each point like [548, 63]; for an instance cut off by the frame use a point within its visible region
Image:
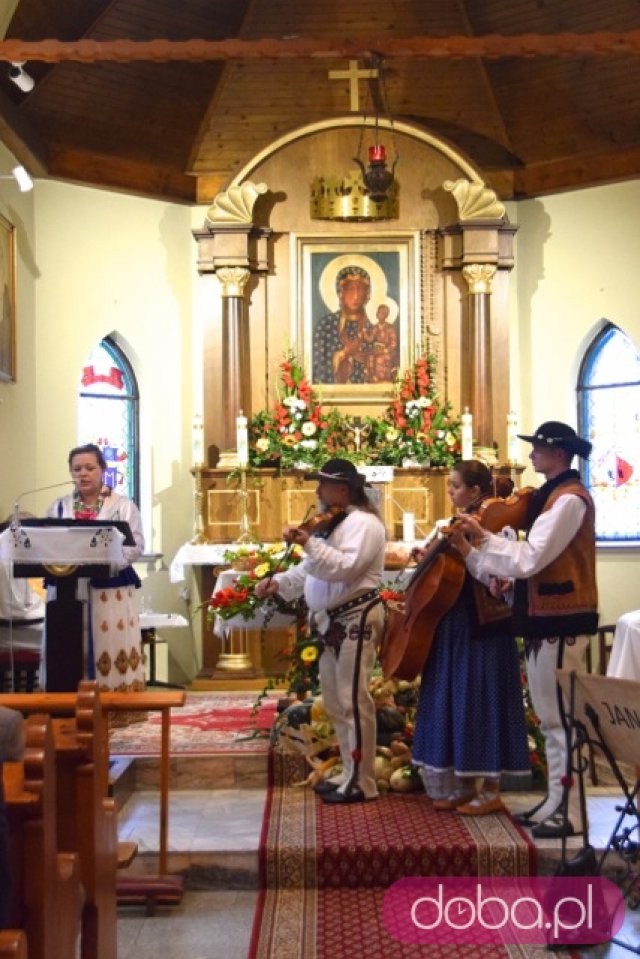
[337, 569]
[550, 534]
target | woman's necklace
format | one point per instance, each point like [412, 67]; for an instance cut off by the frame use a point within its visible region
[82, 511]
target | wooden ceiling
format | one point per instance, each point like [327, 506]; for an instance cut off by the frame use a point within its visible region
[546, 118]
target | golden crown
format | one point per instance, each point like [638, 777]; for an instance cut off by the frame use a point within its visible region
[333, 198]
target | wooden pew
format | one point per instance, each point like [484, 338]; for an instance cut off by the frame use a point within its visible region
[148, 701]
[47, 895]
[147, 890]
[13, 944]
[87, 818]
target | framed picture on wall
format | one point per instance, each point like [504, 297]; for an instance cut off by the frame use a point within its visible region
[357, 321]
[8, 290]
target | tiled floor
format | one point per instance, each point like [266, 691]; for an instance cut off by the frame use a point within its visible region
[216, 834]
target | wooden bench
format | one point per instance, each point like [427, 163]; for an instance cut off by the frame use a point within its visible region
[47, 894]
[13, 944]
[87, 818]
[147, 890]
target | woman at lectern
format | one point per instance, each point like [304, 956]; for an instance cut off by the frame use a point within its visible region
[113, 649]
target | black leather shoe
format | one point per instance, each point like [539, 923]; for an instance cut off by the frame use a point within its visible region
[554, 827]
[523, 820]
[527, 818]
[325, 787]
[338, 798]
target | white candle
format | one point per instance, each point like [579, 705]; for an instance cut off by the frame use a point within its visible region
[408, 528]
[197, 440]
[242, 439]
[512, 437]
[466, 434]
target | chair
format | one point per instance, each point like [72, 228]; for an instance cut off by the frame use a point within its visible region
[605, 636]
[19, 672]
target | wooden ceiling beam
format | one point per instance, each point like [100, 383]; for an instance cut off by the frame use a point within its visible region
[21, 139]
[556, 176]
[489, 47]
[112, 172]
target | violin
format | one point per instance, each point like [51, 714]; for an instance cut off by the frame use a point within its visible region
[495, 513]
[320, 524]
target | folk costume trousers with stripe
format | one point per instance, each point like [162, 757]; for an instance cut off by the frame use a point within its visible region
[544, 657]
[349, 703]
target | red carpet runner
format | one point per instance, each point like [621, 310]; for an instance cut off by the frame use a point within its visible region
[210, 724]
[325, 870]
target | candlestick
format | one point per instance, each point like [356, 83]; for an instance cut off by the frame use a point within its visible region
[466, 434]
[197, 440]
[512, 437]
[242, 440]
[408, 528]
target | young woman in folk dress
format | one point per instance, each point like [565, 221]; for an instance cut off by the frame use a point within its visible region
[113, 650]
[470, 725]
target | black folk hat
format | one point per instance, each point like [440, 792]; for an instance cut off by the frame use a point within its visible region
[559, 436]
[338, 471]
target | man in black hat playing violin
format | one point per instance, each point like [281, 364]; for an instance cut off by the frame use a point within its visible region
[339, 577]
[555, 599]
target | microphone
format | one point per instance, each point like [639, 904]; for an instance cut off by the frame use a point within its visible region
[15, 523]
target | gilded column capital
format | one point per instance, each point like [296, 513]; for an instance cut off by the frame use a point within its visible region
[479, 277]
[233, 280]
[475, 201]
[236, 204]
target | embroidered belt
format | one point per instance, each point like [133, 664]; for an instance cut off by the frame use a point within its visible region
[352, 603]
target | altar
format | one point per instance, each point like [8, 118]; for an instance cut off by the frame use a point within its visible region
[276, 500]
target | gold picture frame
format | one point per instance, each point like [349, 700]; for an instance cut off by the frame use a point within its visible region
[352, 353]
[8, 288]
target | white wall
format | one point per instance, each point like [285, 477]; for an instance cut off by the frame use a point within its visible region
[576, 257]
[95, 263]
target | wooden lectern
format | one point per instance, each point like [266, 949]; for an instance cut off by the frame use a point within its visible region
[65, 551]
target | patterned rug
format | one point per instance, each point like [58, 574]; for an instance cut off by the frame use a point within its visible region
[207, 725]
[325, 870]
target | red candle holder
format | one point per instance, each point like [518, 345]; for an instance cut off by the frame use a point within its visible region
[377, 153]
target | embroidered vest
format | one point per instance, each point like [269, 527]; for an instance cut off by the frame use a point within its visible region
[562, 599]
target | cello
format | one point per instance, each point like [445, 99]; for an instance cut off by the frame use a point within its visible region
[434, 587]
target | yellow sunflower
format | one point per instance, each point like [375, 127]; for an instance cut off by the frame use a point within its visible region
[309, 654]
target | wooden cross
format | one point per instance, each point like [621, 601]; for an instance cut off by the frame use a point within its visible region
[353, 75]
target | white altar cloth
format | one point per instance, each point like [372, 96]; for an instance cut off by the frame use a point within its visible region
[624, 662]
[72, 545]
[208, 554]
[212, 554]
[158, 620]
[222, 626]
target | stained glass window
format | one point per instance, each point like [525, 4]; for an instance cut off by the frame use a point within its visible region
[108, 414]
[609, 415]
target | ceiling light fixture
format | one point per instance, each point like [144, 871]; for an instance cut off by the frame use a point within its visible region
[22, 178]
[21, 78]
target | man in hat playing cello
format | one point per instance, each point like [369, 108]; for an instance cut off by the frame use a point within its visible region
[339, 577]
[555, 599]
